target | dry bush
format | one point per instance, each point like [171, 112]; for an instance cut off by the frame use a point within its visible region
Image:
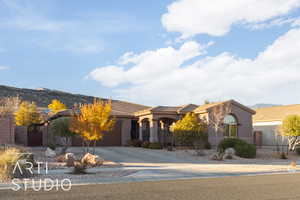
[8, 160]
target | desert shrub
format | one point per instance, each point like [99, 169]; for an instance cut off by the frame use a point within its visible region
[242, 148]
[52, 146]
[29, 157]
[155, 145]
[8, 160]
[146, 144]
[135, 143]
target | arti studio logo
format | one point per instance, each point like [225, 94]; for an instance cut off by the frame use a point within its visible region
[21, 167]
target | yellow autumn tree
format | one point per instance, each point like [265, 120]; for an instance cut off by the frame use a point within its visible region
[189, 130]
[93, 121]
[56, 106]
[27, 114]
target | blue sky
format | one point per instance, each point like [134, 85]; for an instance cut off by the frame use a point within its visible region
[154, 52]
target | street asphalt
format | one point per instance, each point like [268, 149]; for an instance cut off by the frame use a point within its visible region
[262, 187]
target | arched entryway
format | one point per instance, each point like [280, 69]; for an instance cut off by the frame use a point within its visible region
[164, 133]
[145, 130]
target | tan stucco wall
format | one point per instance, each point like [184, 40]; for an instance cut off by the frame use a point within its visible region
[126, 131]
[245, 128]
[7, 130]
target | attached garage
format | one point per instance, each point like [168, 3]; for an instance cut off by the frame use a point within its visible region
[113, 138]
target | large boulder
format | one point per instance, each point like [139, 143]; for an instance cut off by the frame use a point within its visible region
[229, 153]
[68, 158]
[92, 160]
[50, 153]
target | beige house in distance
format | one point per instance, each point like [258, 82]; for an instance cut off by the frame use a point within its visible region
[266, 121]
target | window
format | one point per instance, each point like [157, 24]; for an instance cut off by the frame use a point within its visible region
[230, 126]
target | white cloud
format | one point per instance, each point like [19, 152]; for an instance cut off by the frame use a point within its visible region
[162, 77]
[215, 17]
[4, 67]
[147, 65]
[275, 22]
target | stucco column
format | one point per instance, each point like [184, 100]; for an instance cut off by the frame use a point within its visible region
[141, 130]
[153, 130]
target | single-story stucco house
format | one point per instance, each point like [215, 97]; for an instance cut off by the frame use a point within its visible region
[134, 121]
[266, 121]
[152, 124]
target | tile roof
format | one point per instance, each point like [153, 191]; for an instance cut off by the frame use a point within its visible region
[187, 108]
[275, 113]
[119, 108]
[126, 108]
[206, 107]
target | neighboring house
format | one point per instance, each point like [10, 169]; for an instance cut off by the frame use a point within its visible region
[267, 120]
[7, 130]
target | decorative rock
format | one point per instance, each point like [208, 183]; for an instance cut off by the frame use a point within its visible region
[92, 160]
[230, 151]
[69, 156]
[60, 158]
[227, 156]
[70, 159]
[50, 153]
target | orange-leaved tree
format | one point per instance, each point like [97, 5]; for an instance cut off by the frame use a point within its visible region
[93, 121]
[56, 106]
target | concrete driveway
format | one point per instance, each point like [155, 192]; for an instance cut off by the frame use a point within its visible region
[171, 165]
[141, 155]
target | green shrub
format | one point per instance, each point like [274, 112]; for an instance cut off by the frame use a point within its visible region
[242, 148]
[229, 143]
[245, 150]
[146, 144]
[52, 146]
[155, 145]
[135, 143]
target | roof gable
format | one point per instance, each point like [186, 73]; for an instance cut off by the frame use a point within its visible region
[206, 107]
